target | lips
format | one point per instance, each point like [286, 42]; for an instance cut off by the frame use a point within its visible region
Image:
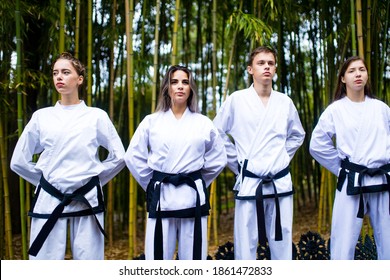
[59, 84]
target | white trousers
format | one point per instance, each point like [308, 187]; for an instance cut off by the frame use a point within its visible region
[86, 240]
[175, 230]
[246, 233]
[346, 226]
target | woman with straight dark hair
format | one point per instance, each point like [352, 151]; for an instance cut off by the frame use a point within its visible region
[174, 155]
[360, 157]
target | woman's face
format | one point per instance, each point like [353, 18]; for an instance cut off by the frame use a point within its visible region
[355, 77]
[179, 88]
[65, 78]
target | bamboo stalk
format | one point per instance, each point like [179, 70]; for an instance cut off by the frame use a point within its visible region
[359, 28]
[129, 7]
[20, 129]
[7, 208]
[174, 35]
[155, 55]
[321, 203]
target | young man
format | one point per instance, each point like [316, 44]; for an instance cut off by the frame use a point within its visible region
[266, 132]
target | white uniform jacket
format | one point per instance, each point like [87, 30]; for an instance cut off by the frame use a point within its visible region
[267, 136]
[362, 132]
[166, 144]
[67, 139]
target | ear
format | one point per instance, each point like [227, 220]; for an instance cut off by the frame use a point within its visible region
[249, 69]
[81, 80]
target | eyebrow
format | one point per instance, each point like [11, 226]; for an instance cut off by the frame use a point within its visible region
[358, 67]
[62, 69]
[263, 60]
[174, 80]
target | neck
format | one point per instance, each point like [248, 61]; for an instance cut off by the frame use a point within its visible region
[178, 111]
[356, 96]
[69, 101]
[263, 90]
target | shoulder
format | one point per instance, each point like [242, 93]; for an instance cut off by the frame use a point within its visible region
[149, 119]
[282, 96]
[239, 93]
[377, 102]
[283, 99]
[43, 112]
[201, 117]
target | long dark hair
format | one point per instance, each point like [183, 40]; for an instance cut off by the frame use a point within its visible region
[341, 90]
[165, 102]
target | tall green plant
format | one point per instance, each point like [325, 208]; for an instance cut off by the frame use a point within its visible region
[359, 28]
[155, 55]
[353, 27]
[175, 30]
[20, 129]
[129, 7]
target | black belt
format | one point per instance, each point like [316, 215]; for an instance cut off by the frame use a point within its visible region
[350, 169]
[66, 199]
[153, 200]
[259, 197]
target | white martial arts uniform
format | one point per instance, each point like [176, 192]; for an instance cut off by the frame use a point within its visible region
[166, 144]
[362, 132]
[67, 139]
[267, 137]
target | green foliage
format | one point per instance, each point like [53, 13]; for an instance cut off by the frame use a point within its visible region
[251, 26]
[312, 38]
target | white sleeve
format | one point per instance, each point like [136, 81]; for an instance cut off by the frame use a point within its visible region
[108, 138]
[28, 145]
[322, 147]
[295, 132]
[137, 153]
[215, 157]
[223, 121]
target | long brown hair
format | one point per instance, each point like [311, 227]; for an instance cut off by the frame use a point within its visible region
[165, 102]
[341, 89]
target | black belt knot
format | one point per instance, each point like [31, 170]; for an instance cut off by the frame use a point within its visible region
[350, 169]
[154, 192]
[259, 196]
[65, 199]
[68, 198]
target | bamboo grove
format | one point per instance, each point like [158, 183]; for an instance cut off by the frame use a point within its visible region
[213, 38]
